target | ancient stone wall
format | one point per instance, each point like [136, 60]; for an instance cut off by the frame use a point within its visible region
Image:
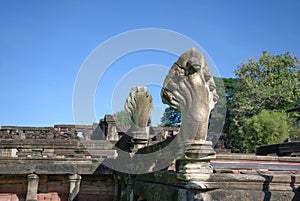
[235, 177]
[56, 188]
[53, 163]
[95, 188]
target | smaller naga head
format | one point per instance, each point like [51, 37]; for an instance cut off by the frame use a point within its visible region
[139, 105]
[190, 88]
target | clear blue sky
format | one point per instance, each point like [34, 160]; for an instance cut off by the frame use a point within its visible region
[44, 43]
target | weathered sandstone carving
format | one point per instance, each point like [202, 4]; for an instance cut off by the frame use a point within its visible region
[190, 88]
[139, 105]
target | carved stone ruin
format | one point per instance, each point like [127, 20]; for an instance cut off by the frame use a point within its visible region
[139, 106]
[54, 163]
[32, 189]
[190, 88]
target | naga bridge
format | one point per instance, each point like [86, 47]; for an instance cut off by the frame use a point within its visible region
[140, 163]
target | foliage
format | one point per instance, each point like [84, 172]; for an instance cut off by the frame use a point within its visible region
[269, 83]
[295, 134]
[171, 117]
[266, 128]
[122, 118]
[230, 85]
[231, 138]
[218, 114]
[295, 131]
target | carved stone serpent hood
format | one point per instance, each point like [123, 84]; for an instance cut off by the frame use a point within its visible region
[190, 88]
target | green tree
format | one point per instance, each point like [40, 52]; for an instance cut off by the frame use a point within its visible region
[232, 140]
[230, 85]
[270, 83]
[171, 117]
[122, 118]
[266, 128]
[295, 131]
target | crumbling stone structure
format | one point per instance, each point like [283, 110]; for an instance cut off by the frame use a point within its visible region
[67, 162]
[198, 173]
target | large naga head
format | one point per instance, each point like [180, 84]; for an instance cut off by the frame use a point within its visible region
[190, 88]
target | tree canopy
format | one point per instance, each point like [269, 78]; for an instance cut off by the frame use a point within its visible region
[270, 83]
[122, 118]
[266, 128]
[171, 117]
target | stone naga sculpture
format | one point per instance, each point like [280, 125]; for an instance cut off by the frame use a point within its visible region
[139, 105]
[190, 88]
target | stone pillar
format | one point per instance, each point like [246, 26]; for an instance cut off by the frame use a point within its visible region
[112, 133]
[116, 188]
[123, 195]
[139, 139]
[196, 159]
[129, 189]
[74, 180]
[32, 187]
